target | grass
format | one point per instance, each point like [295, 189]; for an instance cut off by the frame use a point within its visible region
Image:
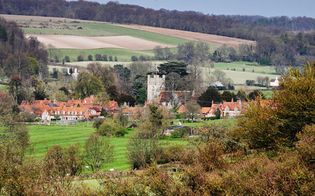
[61, 26]
[220, 122]
[267, 93]
[239, 76]
[246, 67]
[44, 137]
[122, 54]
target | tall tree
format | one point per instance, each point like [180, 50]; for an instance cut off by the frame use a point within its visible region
[97, 152]
[88, 85]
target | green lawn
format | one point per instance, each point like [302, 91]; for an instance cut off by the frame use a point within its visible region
[43, 137]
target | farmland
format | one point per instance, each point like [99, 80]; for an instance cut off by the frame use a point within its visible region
[246, 67]
[61, 26]
[122, 54]
[77, 37]
[193, 36]
[84, 42]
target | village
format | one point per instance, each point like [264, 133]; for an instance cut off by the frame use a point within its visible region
[89, 109]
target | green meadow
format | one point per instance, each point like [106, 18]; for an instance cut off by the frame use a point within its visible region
[91, 28]
[242, 66]
[122, 54]
[44, 137]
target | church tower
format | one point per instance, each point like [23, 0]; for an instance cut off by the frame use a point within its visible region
[155, 85]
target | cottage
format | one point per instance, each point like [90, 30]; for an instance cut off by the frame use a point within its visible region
[72, 110]
[227, 109]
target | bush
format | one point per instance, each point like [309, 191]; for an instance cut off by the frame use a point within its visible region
[171, 154]
[259, 127]
[98, 122]
[110, 128]
[80, 58]
[98, 57]
[306, 144]
[210, 155]
[90, 58]
[262, 176]
[26, 117]
[134, 58]
[181, 132]
[143, 151]
[67, 59]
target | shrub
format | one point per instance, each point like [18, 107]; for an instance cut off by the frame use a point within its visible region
[110, 128]
[210, 155]
[90, 58]
[98, 57]
[134, 58]
[26, 117]
[98, 122]
[67, 59]
[181, 132]
[171, 154]
[142, 151]
[104, 57]
[80, 58]
[262, 176]
[259, 127]
[306, 144]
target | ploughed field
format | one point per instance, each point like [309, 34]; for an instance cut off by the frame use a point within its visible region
[84, 42]
[39, 26]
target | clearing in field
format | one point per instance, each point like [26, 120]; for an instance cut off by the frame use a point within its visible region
[83, 42]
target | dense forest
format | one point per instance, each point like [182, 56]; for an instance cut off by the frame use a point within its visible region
[280, 40]
[23, 61]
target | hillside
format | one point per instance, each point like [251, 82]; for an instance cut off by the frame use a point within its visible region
[281, 41]
[35, 25]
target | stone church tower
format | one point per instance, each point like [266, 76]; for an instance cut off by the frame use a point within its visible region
[155, 85]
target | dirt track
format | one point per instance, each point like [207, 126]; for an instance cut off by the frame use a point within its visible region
[84, 42]
[193, 36]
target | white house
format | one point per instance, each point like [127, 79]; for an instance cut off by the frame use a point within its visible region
[274, 83]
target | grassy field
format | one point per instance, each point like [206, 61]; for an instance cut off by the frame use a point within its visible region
[239, 76]
[246, 67]
[122, 54]
[43, 137]
[62, 26]
[220, 122]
